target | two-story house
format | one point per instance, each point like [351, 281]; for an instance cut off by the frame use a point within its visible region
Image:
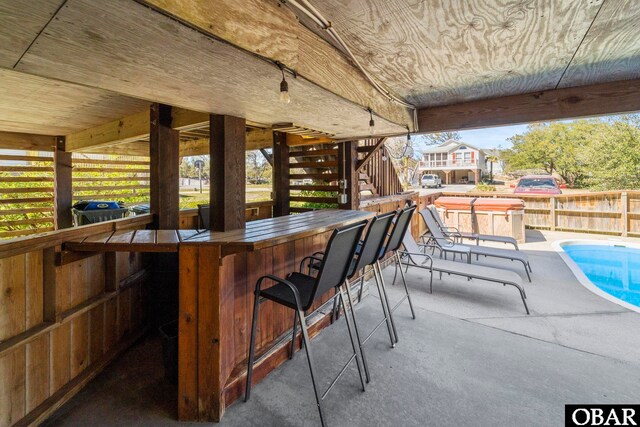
[454, 161]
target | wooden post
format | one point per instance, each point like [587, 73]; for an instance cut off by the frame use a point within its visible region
[227, 143]
[164, 170]
[281, 190]
[552, 212]
[62, 187]
[624, 202]
[348, 170]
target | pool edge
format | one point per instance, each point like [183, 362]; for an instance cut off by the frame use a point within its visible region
[582, 278]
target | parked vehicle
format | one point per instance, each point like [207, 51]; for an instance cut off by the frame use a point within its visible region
[431, 181]
[537, 184]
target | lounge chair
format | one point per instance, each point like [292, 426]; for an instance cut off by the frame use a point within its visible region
[459, 235]
[413, 256]
[446, 245]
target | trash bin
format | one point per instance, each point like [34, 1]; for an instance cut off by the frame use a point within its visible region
[140, 209]
[169, 334]
[92, 211]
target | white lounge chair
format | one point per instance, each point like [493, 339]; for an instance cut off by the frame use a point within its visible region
[413, 256]
[455, 233]
[446, 245]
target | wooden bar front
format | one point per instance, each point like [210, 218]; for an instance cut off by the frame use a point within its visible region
[218, 272]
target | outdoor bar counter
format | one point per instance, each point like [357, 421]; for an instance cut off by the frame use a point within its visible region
[218, 272]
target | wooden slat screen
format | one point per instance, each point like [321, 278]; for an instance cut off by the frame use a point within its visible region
[313, 173]
[26, 193]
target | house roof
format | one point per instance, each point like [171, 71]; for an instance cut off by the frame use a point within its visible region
[449, 146]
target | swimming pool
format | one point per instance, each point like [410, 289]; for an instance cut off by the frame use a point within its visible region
[609, 269]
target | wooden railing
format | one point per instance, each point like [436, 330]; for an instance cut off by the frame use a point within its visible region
[63, 317]
[253, 211]
[606, 212]
[380, 171]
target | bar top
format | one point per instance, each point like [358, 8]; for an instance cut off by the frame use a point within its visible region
[257, 234]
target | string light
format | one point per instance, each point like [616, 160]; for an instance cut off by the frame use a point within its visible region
[372, 123]
[284, 86]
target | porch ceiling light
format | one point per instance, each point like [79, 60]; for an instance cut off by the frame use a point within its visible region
[284, 86]
[372, 123]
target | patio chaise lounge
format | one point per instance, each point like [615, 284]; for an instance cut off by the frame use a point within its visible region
[413, 256]
[446, 245]
[457, 234]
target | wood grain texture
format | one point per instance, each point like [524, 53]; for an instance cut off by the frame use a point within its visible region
[583, 101]
[37, 105]
[12, 392]
[436, 53]
[27, 20]
[37, 371]
[114, 47]
[611, 48]
[12, 296]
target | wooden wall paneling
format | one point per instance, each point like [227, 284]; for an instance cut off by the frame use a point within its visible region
[37, 371]
[243, 300]
[34, 271]
[96, 333]
[124, 313]
[79, 344]
[164, 169]
[281, 190]
[110, 324]
[12, 296]
[60, 356]
[188, 334]
[227, 194]
[227, 335]
[13, 392]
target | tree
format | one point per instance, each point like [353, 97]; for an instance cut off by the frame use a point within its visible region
[423, 141]
[257, 168]
[491, 158]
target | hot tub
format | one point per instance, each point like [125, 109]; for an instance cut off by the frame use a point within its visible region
[497, 216]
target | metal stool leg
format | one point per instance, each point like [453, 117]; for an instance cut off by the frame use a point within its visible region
[252, 346]
[355, 326]
[306, 341]
[293, 335]
[386, 302]
[356, 350]
[392, 337]
[406, 289]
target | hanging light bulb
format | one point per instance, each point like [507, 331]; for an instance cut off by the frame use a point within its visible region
[408, 136]
[372, 123]
[384, 155]
[284, 87]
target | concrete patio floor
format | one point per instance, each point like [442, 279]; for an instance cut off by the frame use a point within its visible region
[472, 357]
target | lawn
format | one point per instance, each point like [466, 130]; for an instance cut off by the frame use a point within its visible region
[191, 197]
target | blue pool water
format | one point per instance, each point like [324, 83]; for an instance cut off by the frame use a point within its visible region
[613, 269]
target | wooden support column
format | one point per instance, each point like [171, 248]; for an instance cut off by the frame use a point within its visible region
[348, 170]
[228, 183]
[62, 188]
[281, 184]
[164, 169]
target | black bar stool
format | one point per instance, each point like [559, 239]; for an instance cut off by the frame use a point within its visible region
[402, 223]
[298, 292]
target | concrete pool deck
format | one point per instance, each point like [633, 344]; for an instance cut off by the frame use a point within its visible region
[472, 357]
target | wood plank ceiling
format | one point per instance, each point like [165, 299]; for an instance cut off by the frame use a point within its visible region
[434, 52]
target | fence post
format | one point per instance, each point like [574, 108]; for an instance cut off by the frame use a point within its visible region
[624, 202]
[552, 202]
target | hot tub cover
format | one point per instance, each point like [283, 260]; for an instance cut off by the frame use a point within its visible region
[479, 204]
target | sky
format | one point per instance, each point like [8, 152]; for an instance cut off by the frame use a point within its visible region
[492, 137]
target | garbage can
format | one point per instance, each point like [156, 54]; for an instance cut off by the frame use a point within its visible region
[169, 334]
[140, 209]
[92, 211]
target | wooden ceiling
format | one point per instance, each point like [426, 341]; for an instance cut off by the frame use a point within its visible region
[438, 52]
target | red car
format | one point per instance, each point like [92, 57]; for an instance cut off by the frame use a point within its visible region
[537, 184]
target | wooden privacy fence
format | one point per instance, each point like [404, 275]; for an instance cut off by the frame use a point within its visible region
[26, 193]
[605, 212]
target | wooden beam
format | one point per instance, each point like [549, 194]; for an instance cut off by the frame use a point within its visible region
[164, 169]
[252, 25]
[227, 188]
[280, 170]
[25, 141]
[63, 194]
[127, 129]
[583, 101]
[369, 155]
[347, 164]
[297, 140]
